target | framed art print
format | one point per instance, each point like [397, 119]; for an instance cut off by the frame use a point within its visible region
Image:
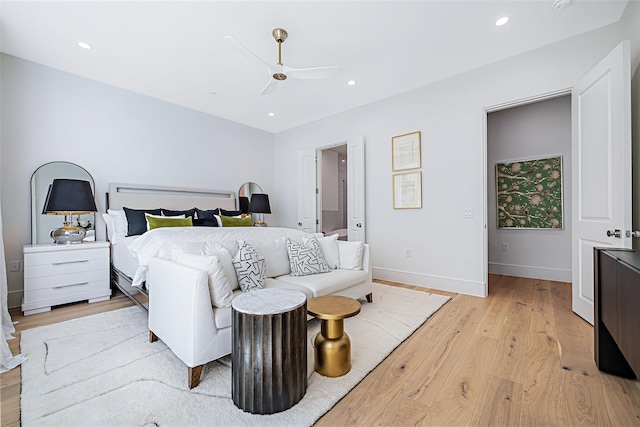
[406, 151]
[529, 194]
[407, 190]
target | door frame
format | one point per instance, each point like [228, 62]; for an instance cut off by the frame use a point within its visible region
[485, 112]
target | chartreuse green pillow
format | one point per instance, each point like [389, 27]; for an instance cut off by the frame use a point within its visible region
[229, 221]
[159, 222]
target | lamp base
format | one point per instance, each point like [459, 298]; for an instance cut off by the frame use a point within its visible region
[68, 234]
[259, 224]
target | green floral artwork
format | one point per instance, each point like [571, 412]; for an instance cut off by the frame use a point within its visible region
[529, 193]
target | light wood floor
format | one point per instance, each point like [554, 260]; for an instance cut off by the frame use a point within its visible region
[518, 357]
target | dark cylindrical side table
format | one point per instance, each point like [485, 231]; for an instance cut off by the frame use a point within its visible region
[269, 353]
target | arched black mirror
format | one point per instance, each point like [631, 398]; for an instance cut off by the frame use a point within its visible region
[41, 224]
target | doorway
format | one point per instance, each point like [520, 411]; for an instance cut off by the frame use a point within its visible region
[332, 206]
[518, 135]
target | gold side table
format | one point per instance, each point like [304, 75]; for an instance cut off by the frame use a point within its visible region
[332, 345]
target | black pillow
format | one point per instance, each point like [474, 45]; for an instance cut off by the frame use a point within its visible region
[205, 222]
[207, 214]
[230, 213]
[189, 212]
[137, 221]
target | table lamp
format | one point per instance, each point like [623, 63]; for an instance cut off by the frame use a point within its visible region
[69, 197]
[259, 204]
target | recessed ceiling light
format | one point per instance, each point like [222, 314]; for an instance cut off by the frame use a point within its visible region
[500, 22]
[271, 114]
[85, 45]
[351, 82]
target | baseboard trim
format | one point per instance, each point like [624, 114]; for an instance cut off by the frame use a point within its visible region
[530, 272]
[449, 284]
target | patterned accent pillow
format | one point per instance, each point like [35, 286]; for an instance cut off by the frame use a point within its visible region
[306, 258]
[250, 267]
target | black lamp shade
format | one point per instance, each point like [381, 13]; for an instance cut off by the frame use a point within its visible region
[259, 204]
[244, 204]
[69, 196]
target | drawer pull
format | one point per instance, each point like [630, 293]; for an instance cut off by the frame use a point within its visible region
[70, 262]
[72, 284]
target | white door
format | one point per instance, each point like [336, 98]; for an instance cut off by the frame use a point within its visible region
[307, 217]
[356, 229]
[601, 177]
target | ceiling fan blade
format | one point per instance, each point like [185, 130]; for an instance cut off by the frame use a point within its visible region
[246, 52]
[312, 73]
[270, 87]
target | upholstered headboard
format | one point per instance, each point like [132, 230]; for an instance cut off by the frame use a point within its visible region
[176, 198]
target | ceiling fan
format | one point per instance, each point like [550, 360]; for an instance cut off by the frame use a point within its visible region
[280, 72]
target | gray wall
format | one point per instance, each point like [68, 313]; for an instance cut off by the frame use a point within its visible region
[117, 136]
[541, 129]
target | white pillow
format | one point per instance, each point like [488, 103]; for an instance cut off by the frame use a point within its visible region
[275, 255]
[219, 289]
[250, 267]
[350, 254]
[147, 215]
[227, 265]
[120, 225]
[306, 258]
[194, 248]
[329, 246]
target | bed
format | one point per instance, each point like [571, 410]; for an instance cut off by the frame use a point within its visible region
[123, 264]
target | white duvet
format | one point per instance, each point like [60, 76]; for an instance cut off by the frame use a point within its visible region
[157, 243]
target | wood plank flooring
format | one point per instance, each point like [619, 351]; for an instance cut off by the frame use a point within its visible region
[517, 357]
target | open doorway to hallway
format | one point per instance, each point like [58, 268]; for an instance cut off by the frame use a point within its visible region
[334, 191]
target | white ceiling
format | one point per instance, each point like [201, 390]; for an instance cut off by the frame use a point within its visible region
[175, 51]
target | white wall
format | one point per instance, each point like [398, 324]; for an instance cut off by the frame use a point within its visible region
[448, 251]
[117, 136]
[540, 129]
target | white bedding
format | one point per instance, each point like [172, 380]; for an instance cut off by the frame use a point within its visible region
[158, 242]
[121, 258]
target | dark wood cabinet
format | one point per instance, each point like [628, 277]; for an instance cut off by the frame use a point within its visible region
[617, 311]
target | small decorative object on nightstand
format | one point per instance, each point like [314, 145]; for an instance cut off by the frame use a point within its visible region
[59, 274]
[259, 204]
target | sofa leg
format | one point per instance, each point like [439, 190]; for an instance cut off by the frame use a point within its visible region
[152, 337]
[370, 297]
[194, 376]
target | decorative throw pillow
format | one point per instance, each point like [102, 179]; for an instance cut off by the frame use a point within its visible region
[329, 246]
[250, 267]
[120, 226]
[219, 289]
[188, 212]
[350, 255]
[306, 258]
[207, 213]
[136, 222]
[167, 221]
[205, 222]
[147, 215]
[228, 221]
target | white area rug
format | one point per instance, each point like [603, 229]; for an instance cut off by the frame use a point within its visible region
[101, 370]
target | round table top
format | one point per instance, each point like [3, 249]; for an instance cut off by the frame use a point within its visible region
[268, 301]
[333, 307]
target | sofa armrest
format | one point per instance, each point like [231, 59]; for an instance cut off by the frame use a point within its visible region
[180, 311]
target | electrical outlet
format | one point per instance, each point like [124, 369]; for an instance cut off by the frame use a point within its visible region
[14, 266]
[467, 213]
[407, 253]
[505, 247]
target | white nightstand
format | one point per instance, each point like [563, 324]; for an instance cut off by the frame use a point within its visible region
[59, 274]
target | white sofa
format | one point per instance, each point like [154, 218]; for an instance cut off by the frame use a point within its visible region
[182, 316]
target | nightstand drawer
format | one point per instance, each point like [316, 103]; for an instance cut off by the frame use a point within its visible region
[69, 292]
[65, 280]
[65, 257]
[67, 267]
